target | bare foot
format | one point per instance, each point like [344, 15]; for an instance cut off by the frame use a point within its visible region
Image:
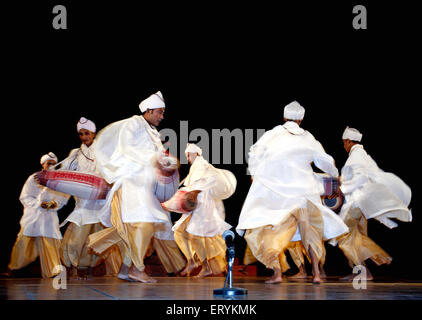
[190, 266]
[276, 278]
[204, 273]
[141, 276]
[317, 280]
[124, 272]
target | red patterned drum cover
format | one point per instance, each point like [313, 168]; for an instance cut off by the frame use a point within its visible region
[78, 184]
[182, 202]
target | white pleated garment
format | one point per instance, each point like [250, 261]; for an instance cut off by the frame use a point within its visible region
[85, 211]
[36, 221]
[280, 163]
[208, 217]
[125, 153]
[380, 195]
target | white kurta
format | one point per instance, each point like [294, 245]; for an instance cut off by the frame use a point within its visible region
[85, 211]
[208, 217]
[125, 153]
[283, 180]
[379, 195]
[37, 221]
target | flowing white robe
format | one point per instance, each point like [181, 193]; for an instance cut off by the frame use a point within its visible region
[125, 152]
[85, 211]
[208, 217]
[283, 180]
[379, 195]
[37, 221]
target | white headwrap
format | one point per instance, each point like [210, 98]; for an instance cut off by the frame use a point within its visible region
[352, 134]
[84, 123]
[154, 101]
[48, 156]
[294, 111]
[193, 148]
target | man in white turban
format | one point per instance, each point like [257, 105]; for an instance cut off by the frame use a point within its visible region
[284, 203]
[84, 218]
[369, 193]
[39, 235]
[128, 153]
[198, 233]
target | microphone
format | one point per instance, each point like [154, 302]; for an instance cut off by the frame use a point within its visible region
[228, 290]
[228, 237]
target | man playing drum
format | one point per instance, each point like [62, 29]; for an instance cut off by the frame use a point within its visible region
[370, 193]
[39, 234]
[84, 218]
[284, 203]
[198, 233]
[130, 156]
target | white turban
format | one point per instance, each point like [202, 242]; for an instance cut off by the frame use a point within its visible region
[86, 124]
[154, 101]
[192, 148]
[48, 156]
[352, 134]
[294, 111]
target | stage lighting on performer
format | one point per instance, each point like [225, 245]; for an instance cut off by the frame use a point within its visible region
[228, 290]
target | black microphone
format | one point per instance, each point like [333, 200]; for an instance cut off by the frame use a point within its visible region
[228, 237]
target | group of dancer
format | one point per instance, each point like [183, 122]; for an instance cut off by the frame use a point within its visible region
[283, 211]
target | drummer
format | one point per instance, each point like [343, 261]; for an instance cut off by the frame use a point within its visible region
[83, 219]
[40, 234]
[128, 152]
[370, 193]
[198, 234]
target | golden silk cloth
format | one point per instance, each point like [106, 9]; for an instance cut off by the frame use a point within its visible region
[169, 254]
[74, 250]
[356, 245]
[135, 241]
[27, 249]
[297, 252]
[113, 260]
[268, 243]
[199, 249]
[248, 257]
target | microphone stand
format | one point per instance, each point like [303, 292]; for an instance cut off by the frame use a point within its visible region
[228, 289]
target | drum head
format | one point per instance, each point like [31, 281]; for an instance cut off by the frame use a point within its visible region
[334, 203]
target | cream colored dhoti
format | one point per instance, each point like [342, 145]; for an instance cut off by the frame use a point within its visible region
[200, 249]
[135, 241]
[74, 249]
[268, 243]
[27, 249]
[356, 245]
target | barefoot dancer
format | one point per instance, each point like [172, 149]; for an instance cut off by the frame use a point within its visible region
[127, 153]
[285, 196]
[84, 218]
[39, 234]
[369, 193]
[198, 234]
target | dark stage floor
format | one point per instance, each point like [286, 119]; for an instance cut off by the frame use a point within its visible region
[178, 288]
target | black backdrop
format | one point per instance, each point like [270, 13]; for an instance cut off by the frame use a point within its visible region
[218, 66]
